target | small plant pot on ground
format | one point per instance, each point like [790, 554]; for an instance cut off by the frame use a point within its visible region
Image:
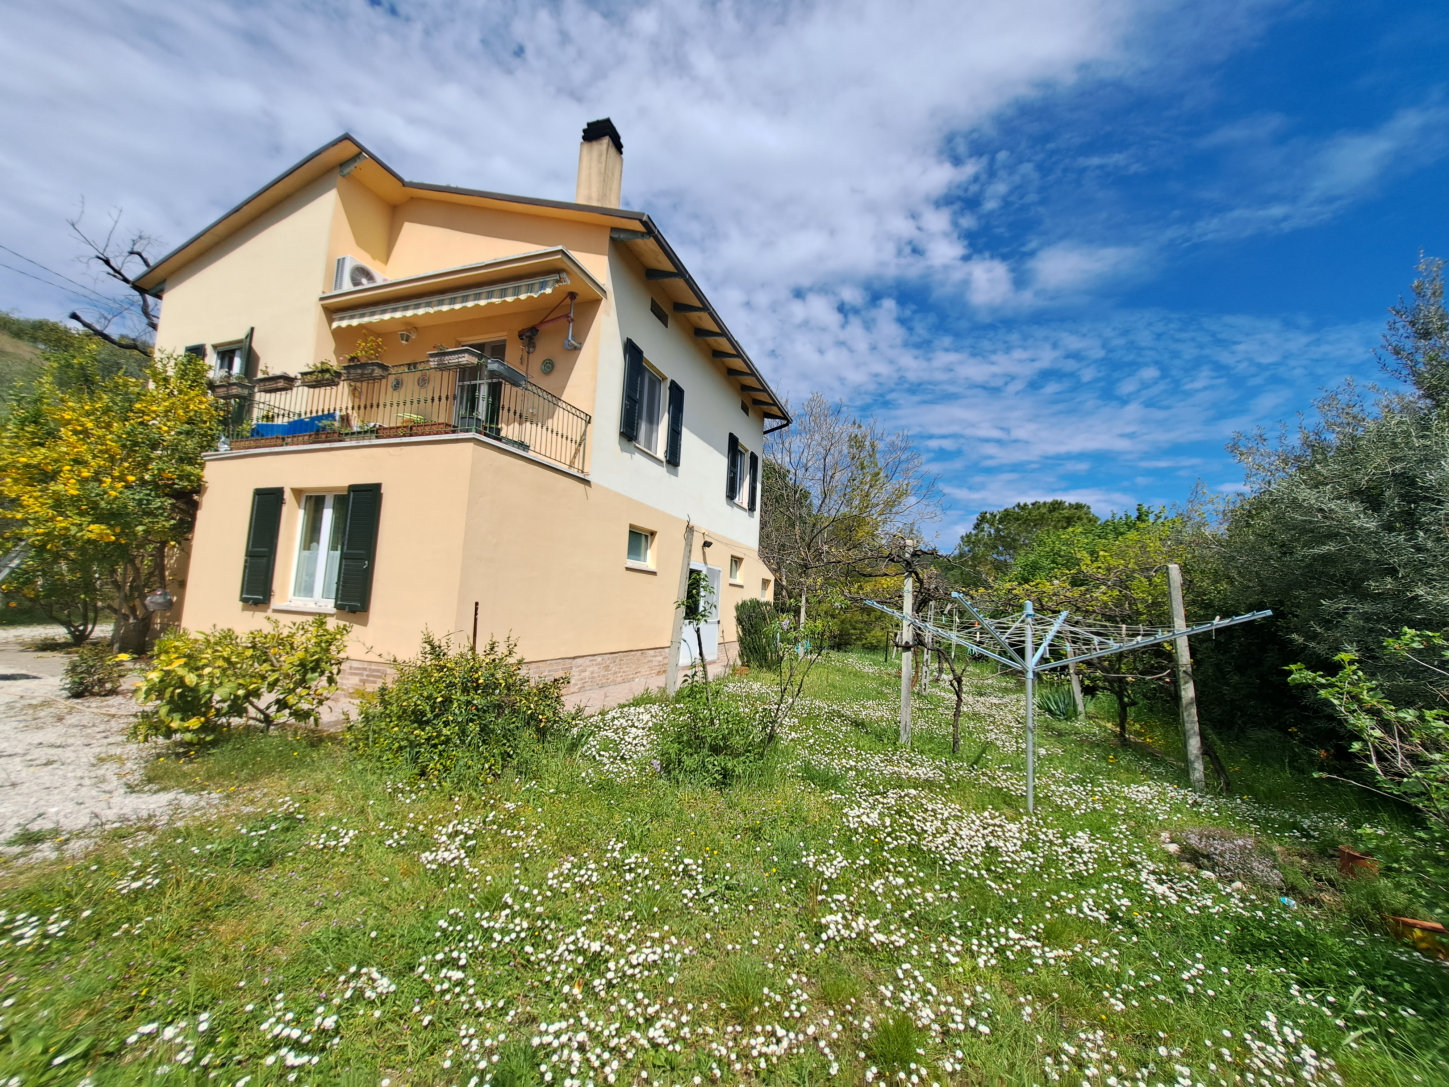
[454, 358]
[320, 379]
[276, 383]
[1428, 937]
[1353, 863]
[365, 371]
[229, 388]
[255, 443]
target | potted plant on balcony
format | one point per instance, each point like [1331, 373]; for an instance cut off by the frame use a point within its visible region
[268, 382]
[365, 363]
[225, 386]
[443, 357]
[322, 376]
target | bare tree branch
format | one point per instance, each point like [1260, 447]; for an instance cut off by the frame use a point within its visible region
[96, 330]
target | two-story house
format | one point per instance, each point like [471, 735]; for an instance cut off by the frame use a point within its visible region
[540, 423]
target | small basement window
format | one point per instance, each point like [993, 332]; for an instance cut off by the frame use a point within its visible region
[735, 563]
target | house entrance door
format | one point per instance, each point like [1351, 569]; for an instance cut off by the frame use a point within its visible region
[706, 624]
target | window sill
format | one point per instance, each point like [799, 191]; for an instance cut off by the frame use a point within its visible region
[639, 567]
[649, 453]
[304, 608]
[738, 584]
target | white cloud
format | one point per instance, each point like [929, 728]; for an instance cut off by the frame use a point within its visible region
[1280, 180]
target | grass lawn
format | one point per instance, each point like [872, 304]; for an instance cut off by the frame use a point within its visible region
[862, 914]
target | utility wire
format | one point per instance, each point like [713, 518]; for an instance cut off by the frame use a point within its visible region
[91, 291]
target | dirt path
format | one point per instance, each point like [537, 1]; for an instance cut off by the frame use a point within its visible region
[66, 769]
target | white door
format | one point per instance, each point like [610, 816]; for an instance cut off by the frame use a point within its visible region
[708, 624]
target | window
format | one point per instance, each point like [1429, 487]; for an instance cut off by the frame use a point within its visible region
[319, 548]
[641, 547]
[651, 404]
[644, 410]
[742, 467]
[228, 360]
[735, 563]
[233, 357]
[765, 589]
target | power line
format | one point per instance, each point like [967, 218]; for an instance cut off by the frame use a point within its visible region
[51, 271]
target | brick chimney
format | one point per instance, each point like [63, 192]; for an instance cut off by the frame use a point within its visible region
[601, 165]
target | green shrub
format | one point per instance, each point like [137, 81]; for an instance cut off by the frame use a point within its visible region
[1055, 699]
[459, 713]
[205, 684]
[94, 671]
[710, 737]
[759, 634]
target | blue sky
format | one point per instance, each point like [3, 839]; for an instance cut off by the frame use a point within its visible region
[1070, 245]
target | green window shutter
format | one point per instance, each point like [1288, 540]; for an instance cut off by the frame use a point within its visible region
[676, 424]
[359, 547]
[197, 349]
[633, 390]
[732, 469]
[244, 356]
[261, 553]
[754, 481]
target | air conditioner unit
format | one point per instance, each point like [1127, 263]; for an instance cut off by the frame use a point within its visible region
[351, 273]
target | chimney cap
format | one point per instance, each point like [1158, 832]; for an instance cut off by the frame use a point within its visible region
[597, 130]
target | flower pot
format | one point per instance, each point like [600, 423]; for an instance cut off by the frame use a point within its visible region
[229, 388]
[276, 383]
[1428, 937]
[413, 430]
[320, 379]
[255, 443]
[365, 371]
[1353, 863]
[454, 358]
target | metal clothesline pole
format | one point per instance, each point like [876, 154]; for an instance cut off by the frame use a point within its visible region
[1029, 661]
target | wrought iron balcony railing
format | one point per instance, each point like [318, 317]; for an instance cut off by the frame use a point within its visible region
[411, 401]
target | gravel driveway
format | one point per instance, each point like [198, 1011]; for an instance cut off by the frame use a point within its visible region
[65, 766]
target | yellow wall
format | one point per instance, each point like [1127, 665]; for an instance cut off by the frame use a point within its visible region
[268, 276]
[541, 551]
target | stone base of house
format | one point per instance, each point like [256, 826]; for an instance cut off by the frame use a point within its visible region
[595, 682]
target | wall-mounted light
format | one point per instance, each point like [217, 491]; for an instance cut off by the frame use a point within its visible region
[407, 335]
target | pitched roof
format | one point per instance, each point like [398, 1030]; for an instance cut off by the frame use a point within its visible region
[633, 229]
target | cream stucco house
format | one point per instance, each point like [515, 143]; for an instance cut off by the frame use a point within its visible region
[558, 427]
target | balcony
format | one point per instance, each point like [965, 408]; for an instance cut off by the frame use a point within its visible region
[413, 401]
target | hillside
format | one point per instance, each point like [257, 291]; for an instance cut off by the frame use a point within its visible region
[865, 914]
[20, 365]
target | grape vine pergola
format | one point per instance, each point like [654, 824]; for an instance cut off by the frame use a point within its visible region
[1026, 643]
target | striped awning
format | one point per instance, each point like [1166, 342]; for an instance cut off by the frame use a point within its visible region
[437, 303]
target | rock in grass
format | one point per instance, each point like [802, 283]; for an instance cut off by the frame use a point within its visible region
[1230, 854]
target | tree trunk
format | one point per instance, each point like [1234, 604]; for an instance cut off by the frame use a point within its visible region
[131, 633]
[1119, 692]
[957, 684]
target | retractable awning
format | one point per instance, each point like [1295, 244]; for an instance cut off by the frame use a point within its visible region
[453, 300]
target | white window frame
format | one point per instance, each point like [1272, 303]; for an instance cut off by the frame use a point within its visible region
[324, 535]
[648, 561]
[743, 483]
[237, 365]
[737, 569]
[661, 416]
[767, 588]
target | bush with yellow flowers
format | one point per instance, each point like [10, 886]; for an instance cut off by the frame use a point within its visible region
[202, 685]
[98, 479]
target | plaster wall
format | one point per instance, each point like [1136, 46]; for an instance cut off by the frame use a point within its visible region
[696, 488]
[267, 276]
[542, 551]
